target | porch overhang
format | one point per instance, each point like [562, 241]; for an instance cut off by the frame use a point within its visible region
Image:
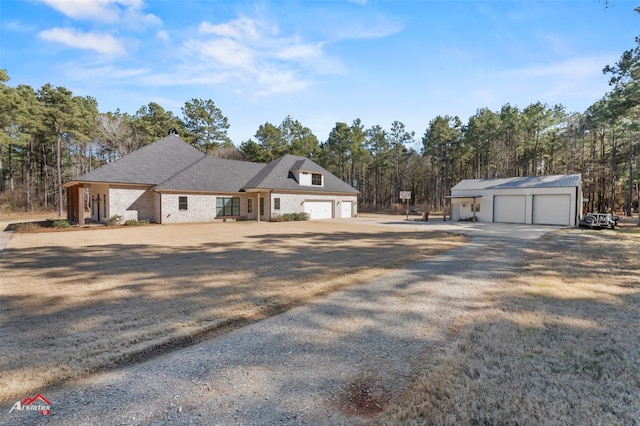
[471, 198]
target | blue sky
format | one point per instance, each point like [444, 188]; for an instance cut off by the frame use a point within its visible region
[319, 61]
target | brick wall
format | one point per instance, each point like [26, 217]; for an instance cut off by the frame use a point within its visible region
[132, 203]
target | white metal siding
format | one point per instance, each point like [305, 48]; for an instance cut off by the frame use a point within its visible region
[551, 209]
[509, 208]
[319, 209]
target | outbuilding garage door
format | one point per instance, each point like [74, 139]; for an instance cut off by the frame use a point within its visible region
[318, 209]
[509, 208]
[552, 209]
[345, 210]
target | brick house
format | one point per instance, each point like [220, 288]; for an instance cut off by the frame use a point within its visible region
[170, 181]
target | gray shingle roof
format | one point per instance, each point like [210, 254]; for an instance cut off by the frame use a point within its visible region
[149, 165]
[277, 175]
[553, 181]
[171, 164]
[212, 174]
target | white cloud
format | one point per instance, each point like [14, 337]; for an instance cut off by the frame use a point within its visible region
[17, 26]
[276, 81]
[90, 73]
[300, 51]
[222, 53]
[570, 70]
[163, 35]
[573, 82]
[258, 57]
[124, 12]
[103, 43]
[374, 27]
[239, 29]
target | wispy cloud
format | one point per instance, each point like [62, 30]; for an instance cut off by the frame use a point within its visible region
[122, 12]
[358, 30]
[163, 35]
[239, 29]
[17, 26]
[222, 53]
[571, 82]
[572, 68]
[256, 54]
[102, 43]
[300, 51]
[97, 73]
[251, 55]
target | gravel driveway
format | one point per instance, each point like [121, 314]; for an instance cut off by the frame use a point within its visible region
[309, 365]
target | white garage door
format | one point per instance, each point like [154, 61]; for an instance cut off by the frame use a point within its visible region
[552, 209]
[318, 209]
[346, 209]
[509, 208]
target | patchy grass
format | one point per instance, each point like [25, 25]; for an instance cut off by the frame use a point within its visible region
[61, 223]
[559, 343]
[75, 303]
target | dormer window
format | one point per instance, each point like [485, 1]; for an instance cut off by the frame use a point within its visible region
[309, 178]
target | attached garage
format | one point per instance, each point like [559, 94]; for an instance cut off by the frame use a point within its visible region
[539, 200]
[509, 208]
[319, 209]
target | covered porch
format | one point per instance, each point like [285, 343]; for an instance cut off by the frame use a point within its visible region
[463, 207]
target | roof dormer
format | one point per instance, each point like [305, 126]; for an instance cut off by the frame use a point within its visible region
[307, 173]
[305, 178]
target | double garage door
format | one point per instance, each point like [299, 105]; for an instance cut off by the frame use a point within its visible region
[546, 210]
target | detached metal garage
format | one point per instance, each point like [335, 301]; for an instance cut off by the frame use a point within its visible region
[539, 200]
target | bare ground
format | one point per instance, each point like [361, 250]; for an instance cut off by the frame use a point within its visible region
[498, 332]
[73, 303]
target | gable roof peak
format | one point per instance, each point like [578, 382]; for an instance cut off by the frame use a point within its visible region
[151, 164]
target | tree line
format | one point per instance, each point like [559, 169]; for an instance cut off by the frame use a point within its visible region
[50, 136]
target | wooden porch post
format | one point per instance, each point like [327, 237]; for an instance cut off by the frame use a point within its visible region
[70, 204]
[80, 205]
[473, 208]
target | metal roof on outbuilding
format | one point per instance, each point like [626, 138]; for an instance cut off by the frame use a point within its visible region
[552, 181]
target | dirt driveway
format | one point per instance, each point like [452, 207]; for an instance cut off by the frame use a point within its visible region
[333, 361]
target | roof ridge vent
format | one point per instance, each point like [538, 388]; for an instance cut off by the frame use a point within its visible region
[173, 131]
